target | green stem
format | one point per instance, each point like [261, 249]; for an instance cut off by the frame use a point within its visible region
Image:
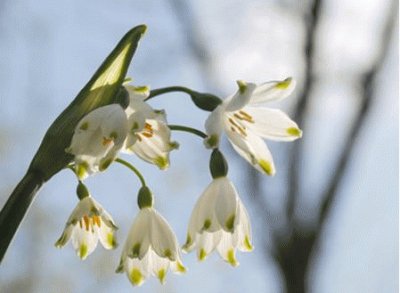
[169, 89]
[71, 167]
[16, 207]
[187, 129]
[132, 168]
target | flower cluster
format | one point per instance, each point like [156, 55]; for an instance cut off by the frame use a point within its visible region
[219, 220]
[138, 129]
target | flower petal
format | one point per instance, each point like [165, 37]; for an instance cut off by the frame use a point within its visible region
[253, 149]
[138, 270]
[137, 112]
[272, 124]
[227, 249]
[241, 98]
[153, 144]
[177, 266]
[89, 143]
[138, 241]
[242, 236]
[107, 236]
[97, 139]
[273, 91]
[160, 267]
[226, 204]
[137, 93]
[65, 236]
[84, 241]
[203, 216]
[114, 124]
[162, 238]
[214, 127]
[83, 207]
[206, 243]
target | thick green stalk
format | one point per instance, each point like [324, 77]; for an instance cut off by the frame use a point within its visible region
[16, 207]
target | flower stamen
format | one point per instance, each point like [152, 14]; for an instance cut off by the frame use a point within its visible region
[107, 141]
[245, 116]
[86, 220]
[96, 220]
[237, 127]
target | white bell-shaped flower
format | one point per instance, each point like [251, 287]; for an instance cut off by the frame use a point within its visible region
[97, 139]
[151, 249]
[219, 221]
[149, 136]
[247, 125]
[88, 224]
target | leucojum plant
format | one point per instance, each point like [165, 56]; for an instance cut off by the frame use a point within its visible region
[109, 116]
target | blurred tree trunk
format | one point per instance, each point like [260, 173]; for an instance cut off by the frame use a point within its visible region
[293, 258]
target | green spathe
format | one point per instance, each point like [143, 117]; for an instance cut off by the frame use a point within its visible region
[101, 90]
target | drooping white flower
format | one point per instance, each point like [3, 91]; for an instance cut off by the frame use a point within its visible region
[151, 248]
[219, 221]
[149, 136]
[97, 139]
[88, 224]
[246, 125]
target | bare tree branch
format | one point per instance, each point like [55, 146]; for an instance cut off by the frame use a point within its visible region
[368, 80]
[296, 153]
[194, 39]
[296, 249]
[260, 203]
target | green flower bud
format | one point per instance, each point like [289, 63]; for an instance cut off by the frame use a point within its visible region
[82, 191]
[204, 101]
[145, 198]
[218, 164]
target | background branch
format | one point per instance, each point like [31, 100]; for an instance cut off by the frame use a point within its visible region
[311, 20]
[368, 80]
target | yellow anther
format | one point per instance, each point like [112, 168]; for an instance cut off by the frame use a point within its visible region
[107, 141]
[96, 220]
[86, 220]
